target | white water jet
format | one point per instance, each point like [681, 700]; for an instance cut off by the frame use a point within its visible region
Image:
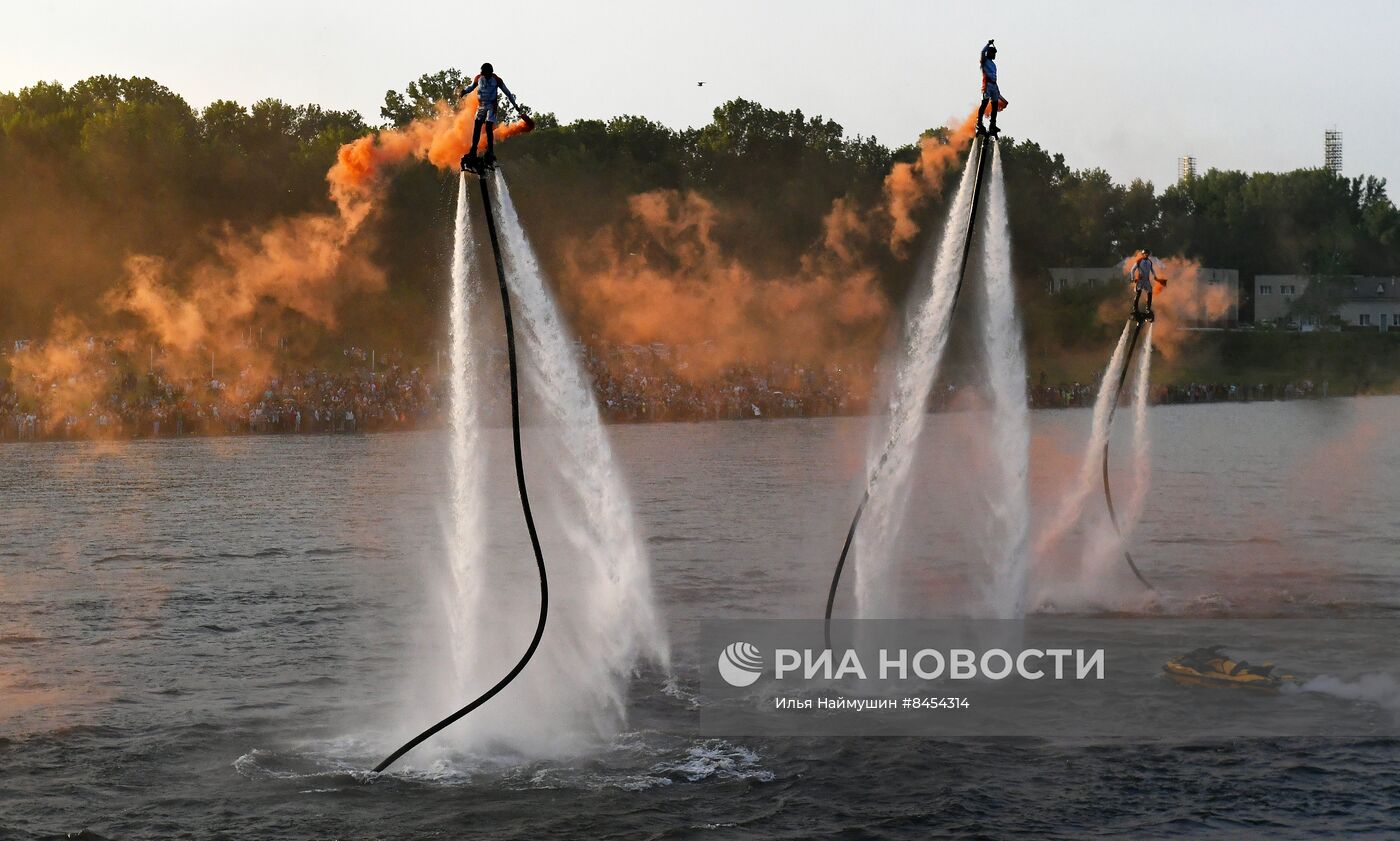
[890, 460]
[465, 456]
[1142, 439]
[1106, 542]
[459, 585]
[1008, 493]
[1089, 479]
[603, 622]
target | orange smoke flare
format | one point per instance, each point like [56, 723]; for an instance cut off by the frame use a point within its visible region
[848, 227]
[909, 185]
[441, 139]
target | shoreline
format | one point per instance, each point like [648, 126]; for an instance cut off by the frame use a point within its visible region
[8, 434]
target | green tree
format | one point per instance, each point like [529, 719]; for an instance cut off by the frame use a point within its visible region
[110, 166]
[418, 99]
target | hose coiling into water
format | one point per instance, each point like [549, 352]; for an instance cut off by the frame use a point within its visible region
[1107, 489]
[981, 152]
[524, 503]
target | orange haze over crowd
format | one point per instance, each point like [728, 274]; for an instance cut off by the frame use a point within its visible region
[297, 271]
[680, 289]
[661, 276]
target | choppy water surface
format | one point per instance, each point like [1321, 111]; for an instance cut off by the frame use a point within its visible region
[211, 638]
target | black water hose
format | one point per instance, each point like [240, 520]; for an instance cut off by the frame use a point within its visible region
[1107, 488]
[981, 152]
[524, 503]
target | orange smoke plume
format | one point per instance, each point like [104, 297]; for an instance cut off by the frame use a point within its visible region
[662, 276]
[441, 140]
[60, 375]
[302, 268]
[306, 265]
[909, 185]
[199, 320]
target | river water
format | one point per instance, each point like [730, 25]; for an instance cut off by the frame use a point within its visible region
[211, 638]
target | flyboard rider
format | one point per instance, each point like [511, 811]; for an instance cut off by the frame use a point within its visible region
[489, 88]
[991, 93]
[1144, 272]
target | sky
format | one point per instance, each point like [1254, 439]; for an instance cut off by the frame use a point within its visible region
[1128, 86]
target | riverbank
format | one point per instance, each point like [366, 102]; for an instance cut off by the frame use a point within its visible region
[1065, 396]
[107, 400]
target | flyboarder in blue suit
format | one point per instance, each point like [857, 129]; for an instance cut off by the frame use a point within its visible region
[489, 87]
[1144, 272]
[991, 93]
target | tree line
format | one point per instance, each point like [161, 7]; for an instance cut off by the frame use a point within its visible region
[107, 167]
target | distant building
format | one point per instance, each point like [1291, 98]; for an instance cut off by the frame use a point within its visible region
[1185, 167]
[1229, 279]
[1365, 302]
[1332, 151]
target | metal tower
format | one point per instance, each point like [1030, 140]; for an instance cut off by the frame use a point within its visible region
[1185, 167]
[1332, 151]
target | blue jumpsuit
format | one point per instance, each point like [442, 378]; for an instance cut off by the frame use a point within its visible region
[990, 91]
[1144, 272]
[490, 87]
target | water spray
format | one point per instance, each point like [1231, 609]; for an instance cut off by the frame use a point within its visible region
[1008, 494]
[1107, 488]
[980, 150]
[524, 502]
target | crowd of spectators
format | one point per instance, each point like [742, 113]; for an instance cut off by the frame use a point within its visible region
[1069, 395]
[1082, 395]
[106, 397]
[1220, 392]
[641, 383]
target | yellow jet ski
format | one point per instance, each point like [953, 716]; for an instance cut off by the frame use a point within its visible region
[1212, 667]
